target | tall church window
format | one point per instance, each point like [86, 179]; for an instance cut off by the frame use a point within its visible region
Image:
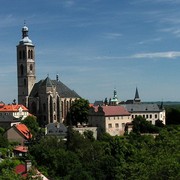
[44, 107]
[24, 82]
[33, 106]
[20, 55]
[29, 54]
[21, 69]
[24, 54]
[58, 110]
[62, 109]
[31, 67]
[51, 109]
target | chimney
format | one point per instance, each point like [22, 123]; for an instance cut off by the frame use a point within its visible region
[28, 165]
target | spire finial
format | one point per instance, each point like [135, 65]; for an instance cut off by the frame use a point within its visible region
[24, 22]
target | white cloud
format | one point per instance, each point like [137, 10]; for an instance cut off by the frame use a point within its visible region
[112, 35]
[169, 55]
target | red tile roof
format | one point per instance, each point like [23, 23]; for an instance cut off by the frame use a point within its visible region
[22, 128]
[21, 169]
[114, 110]
[12, 108]
[21, 148]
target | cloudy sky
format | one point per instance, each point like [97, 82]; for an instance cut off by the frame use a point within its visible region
[96, 46]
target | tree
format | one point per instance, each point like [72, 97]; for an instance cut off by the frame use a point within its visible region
[78, 112]
[32, 124]
[173, 116]
[141, 125]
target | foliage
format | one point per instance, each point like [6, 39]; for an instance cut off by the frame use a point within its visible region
[78, 112]
[1, 130]
[133, 156]
[141, 125]
[172, 116]
[7, 169]
[3, 142]
[31, 123]
[9, 174]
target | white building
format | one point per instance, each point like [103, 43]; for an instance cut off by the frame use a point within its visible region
[109, 119]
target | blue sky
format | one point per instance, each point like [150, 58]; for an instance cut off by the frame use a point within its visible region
[96, 46]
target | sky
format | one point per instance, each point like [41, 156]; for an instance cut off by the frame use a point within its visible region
[96, 46]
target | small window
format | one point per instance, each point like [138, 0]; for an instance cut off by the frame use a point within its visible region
[116, 125]
[146, 115]
[150, 116]
[109, 125]
[31, 67]
[156, 116]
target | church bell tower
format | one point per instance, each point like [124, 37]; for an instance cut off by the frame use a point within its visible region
[25, 67]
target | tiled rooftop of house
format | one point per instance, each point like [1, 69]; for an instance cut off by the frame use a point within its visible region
[12, 107]
[113, 110]
[22, 128]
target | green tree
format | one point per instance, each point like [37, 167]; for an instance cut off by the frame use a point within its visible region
[32, 124]
[78, 112]
[173, 116]
[141, 125]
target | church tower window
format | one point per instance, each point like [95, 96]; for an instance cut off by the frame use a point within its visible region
[24, 82]
[24, 54]
[31, 67]
[21, 70]
[29, 54]
[20, 55]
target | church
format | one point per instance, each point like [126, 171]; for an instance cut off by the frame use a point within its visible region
[49, 100]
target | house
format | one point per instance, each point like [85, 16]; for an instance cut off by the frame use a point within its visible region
[16, 110]
[20, 151]
[26, 169]
[18, 133]
[56, 129]
[109, 119]
[83, 129]
[6, 121]
[150, 111]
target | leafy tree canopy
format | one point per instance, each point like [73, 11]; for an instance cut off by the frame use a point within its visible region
[78, 112]
[141, 125]
[32, 124]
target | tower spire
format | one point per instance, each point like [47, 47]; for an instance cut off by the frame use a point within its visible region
[136, 98]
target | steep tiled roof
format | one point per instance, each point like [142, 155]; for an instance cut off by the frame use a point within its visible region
[64, 91]
[113, 110]
[12, 108]
[142, 107]
[22, 128]
[21, 149]
[61, 88]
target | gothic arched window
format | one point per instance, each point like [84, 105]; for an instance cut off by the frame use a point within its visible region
[31, 67]
[20, 55]
[29, 54]
[24, 82]
[24, 54]
[21, 70]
